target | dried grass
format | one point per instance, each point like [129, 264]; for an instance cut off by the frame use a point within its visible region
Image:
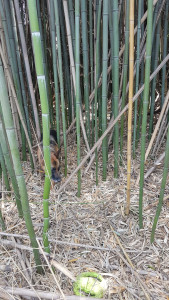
[87, 229]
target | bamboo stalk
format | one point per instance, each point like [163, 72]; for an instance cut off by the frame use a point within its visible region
[91, 46]
[96, 83]
[72, 63]
[115, 83]
[55, 72]
[125, 71]
[137, 75]
[165, 47]
[40, 71]
[85, 52]
[104, 86]
[57, 23]
[153, 85]
[131, 77]
[145, 107]
[4, 170]
[78, 103]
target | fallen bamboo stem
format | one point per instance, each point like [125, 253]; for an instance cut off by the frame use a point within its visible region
[156, 163]
[28, 293]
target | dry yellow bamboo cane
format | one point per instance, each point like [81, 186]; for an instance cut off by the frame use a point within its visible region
[131, 77]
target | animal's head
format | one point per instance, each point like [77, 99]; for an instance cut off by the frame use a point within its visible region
[55, 166]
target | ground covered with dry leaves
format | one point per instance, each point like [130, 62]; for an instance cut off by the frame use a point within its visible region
[90, 233]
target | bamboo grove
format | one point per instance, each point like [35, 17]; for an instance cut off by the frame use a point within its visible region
[96, 67]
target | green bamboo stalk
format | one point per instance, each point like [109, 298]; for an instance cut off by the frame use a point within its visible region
[9, 165]
[145, 106]
[65, 62]
[141, 83]
[85, 51]
[57, 23]
[42, 30]
[4, 25]
[165, 48]
[54, 57]
[163, 184]
[47, 62]
[125, 72]
[96, 83]
[115, 83]
[72, 23]
[155, 14]
[121, 21]
[104, 86]
[9, 127]
[4, 170]
[91, 63]
[130, 97]
[111, 49]
[137, 75]
[96, 9]
[38, 57]
[78, 102]
[153, 85]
